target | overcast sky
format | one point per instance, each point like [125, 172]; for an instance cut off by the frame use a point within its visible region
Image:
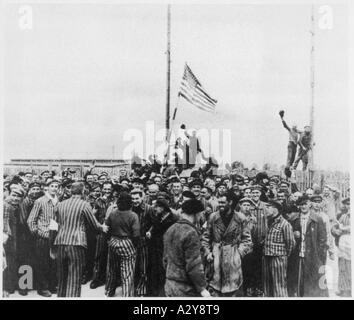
[84, 74]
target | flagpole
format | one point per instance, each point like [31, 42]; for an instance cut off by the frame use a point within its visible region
[312, 106]
[168, 70]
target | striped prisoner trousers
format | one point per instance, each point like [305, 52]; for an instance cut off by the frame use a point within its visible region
[122, 254]
[275, 276]
[71, 263]
[141, 269]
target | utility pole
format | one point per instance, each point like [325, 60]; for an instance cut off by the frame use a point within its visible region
[312, 106]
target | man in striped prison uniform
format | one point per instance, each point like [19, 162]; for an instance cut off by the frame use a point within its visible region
[124, 237]
[143, 210]
[38, 222]
[73, 215]
[100, 265]
[279, 244]
[258, 236]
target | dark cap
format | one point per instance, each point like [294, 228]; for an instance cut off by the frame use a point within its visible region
[33, 185]
[346, 201]
[163, 203]
[196, 182]
[67, 183]
[188, 194]
[257, 187]
[94, 185]
[52, 181]
[173, 179]
[275, 204]
[316, 198]
[246, 200]
[137, 180]
[302, 199]
[221, 184]
[124, 179]
[192, 207]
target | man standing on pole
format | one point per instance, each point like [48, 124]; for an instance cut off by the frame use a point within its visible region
[293, 140]
[305, 143]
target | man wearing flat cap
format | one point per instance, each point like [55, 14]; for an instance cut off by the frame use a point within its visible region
[279, 244]
[182, 255]
[196, 186]
[317, 208]
[309, 255]
[138, 183]
[66, 189]
[221, 189]
[10, 220]
[42, 213]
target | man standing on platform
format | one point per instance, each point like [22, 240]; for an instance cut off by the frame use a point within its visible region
[305, 143]
[293, 140]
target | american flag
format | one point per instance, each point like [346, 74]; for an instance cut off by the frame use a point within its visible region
[192, 90]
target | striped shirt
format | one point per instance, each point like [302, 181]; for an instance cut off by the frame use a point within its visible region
[10, 214]
[280, 239]
[40, 216]
[72, 214]
[260, 230]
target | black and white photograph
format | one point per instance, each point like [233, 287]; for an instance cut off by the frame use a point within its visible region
[164, 149]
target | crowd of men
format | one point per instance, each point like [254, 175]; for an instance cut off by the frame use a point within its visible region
[169, 235]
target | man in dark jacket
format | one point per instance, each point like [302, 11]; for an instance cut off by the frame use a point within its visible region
[182, 255]
[306, 265]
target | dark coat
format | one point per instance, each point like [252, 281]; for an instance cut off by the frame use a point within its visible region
[314, 260]
[155, 269]
[182, 261]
